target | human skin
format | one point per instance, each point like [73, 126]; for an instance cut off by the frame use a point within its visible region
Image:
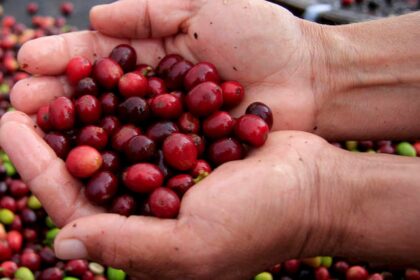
[308, 199]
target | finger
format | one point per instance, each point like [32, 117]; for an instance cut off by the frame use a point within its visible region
[136, 242]
[142, 18]
[28, 95]
[50, 55]
[45, 174]
[20, 117]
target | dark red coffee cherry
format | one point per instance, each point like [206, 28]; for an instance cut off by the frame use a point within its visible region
[180, 183]
[132, 84]
[175, 76]
[88, 109]
[110, 124]
[201, 167]
[107, 73]
[111, 161]
[143, 177]
[109, 103]
[180, 152]
[252, 130]
[62, 113]
[225, 150]
[187, 123]
[124, 205]
[156, 86]
[134, 110]
[200, 73]
[166, 64]
[101, 187]
[160, 130]
[86, 86]
[140, 149]
[261, 110]
[233, 94]
[218, 125]
[164, 203]
[166, 106]
[204, 99]
[93, 136]
[59, 143]
[123, 135]
[43, 118]
[125, 56]
[83, 161]
[77, 69]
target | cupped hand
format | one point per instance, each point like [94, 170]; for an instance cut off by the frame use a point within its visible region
[244, 217]
[263, 46]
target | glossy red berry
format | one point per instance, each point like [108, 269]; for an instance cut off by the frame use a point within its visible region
[123, 135]
[166, 106]
[66, 8]
[109, 103]
[225, 150]
[76, 267]
[47, 256]
[164, 203]
[143, 177]
[156, 86]
[180, 183]
[200, 73]
[218, 125]
[110, 124]
[32, 8]
[15, 240]
[126, 56]
[18, 188]
[204, 99]
[166, 64]
[233, 94]
[43, 118]
[62, 113]
[111, 161]
[199, 142]
[132, 84]
[52, 273]
[160, 130]
[175, 76]
[107, 73]
[30, 260]
[180, 151]
[59, 143]
[124, 205]
[188, 123]
[134, 110]
[252, 130]
[83, 161]
[357, 273]
[8, 202]
[88, 109]
[78, 68]
[201, 167]
[101, 187]
[5, 251]
[93, 136]
[86, 86]
[140, 149]
[8, 268]
[261, 110]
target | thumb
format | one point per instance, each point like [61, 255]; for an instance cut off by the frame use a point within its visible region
[140, 19]
[121, 242]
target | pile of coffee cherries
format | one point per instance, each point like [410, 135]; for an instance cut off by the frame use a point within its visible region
[137, 135]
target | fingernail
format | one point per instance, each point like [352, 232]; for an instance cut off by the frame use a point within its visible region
[70, 249]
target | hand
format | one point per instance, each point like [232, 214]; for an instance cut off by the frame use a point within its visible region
[277, 68]
[244, 217]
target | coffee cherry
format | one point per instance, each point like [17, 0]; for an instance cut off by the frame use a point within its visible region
[187, 123]
[59, 143]
[143, 177]
[86, 86]
[159, 131]
[83, 161]
[125, 56]
[43, 118]
[132, 84]
[62, 113]
[101, 187]
[111, 161]
[175, 76]
[180, 152]
[123, 135]
[261, 110]
[134, 110]
[156, 86]
[225, 150]
[77, 69]
[110, 124]
[201, 167]
[140, 149]
[124, 205]
[233, 94]
[166, 106]
[76, 267]
[107, 73]
[180, 183]
[200, 73]
[252, 130]
[164, 203]
[204, 99]
[166, 64]
[109, 103]
[88, 109]
[218, 125]
[93, 136]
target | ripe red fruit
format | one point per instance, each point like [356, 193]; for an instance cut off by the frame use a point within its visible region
[101, 187]
[180, 183]
[109, 103]
[124, 205]
[5, 251]
[18, 188]
[252, 129]
[160, 130]
[62, 114]
[107, 73]
[88, 109]
[166, 106]
[140, 148]
[30, 260]
[166, 64]
[134, 110]
[218, 125]
[83, 161]
[261, 110]
[175, 76]
[93, 136]
[110, 124]
[188, 123]
[8, 268]
[156, 86]
[32, 8]
[52, 273]
[225, 150]
[123, 135]
[164, 203]
[412, 274]
[66, 8]
[47, 256]
[8, 202]
[59, 143]
[357, 273]
[76, 267]
[111, 161]
[77, 69]
[143, 177]
[291, 266]
[14, 238]
[132, 84]
[43, 118]
[200, 73]
[377, 276]
[233, 94]
[125, 56]
[201, 167]
[88, 275]
[86, 86]
[180, 152]
[204, 99]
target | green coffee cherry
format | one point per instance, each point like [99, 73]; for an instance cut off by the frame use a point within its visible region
[115, 274]
[34, 203]
[96, 268]
[70, 278]
[264, 276]
[326, 262]
[351, 145]
[4, 89]
[4, 157]
[24, 273]
[49, 222]
[406, 149]
[50, 236]
[6, 216]
[313, 262]
[10, 169]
